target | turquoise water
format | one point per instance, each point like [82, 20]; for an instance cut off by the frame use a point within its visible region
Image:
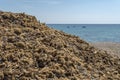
[91, 32]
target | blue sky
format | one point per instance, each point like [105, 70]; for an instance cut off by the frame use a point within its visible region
[67, 11]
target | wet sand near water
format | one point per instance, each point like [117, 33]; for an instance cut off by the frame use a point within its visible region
[111, 47]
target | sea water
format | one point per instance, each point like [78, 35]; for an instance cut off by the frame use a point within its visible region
[91, 32]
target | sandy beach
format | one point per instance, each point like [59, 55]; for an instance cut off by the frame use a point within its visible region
[111, 47]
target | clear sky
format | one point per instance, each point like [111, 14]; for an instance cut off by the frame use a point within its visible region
[67, 11]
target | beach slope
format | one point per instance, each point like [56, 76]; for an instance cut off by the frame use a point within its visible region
[30, 50]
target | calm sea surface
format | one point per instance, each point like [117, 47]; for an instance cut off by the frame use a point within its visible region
[91, 32]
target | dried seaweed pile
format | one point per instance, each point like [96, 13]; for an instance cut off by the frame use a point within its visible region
[29, 50]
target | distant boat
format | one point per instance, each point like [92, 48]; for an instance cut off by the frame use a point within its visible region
[68, 26]
[83, 26]
[74, 26]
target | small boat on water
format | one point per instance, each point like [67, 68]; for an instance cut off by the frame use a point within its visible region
[74, 26]
[83, 26]
[68, 26]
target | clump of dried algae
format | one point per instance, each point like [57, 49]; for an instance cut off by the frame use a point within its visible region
[29, 50]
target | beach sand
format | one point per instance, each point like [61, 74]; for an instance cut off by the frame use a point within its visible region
[111, 47]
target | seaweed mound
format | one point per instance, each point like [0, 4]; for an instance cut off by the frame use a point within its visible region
[29, 50]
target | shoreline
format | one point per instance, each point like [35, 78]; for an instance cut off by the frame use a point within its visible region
[112, 48]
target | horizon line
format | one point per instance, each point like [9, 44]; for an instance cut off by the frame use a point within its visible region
[86, 23]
